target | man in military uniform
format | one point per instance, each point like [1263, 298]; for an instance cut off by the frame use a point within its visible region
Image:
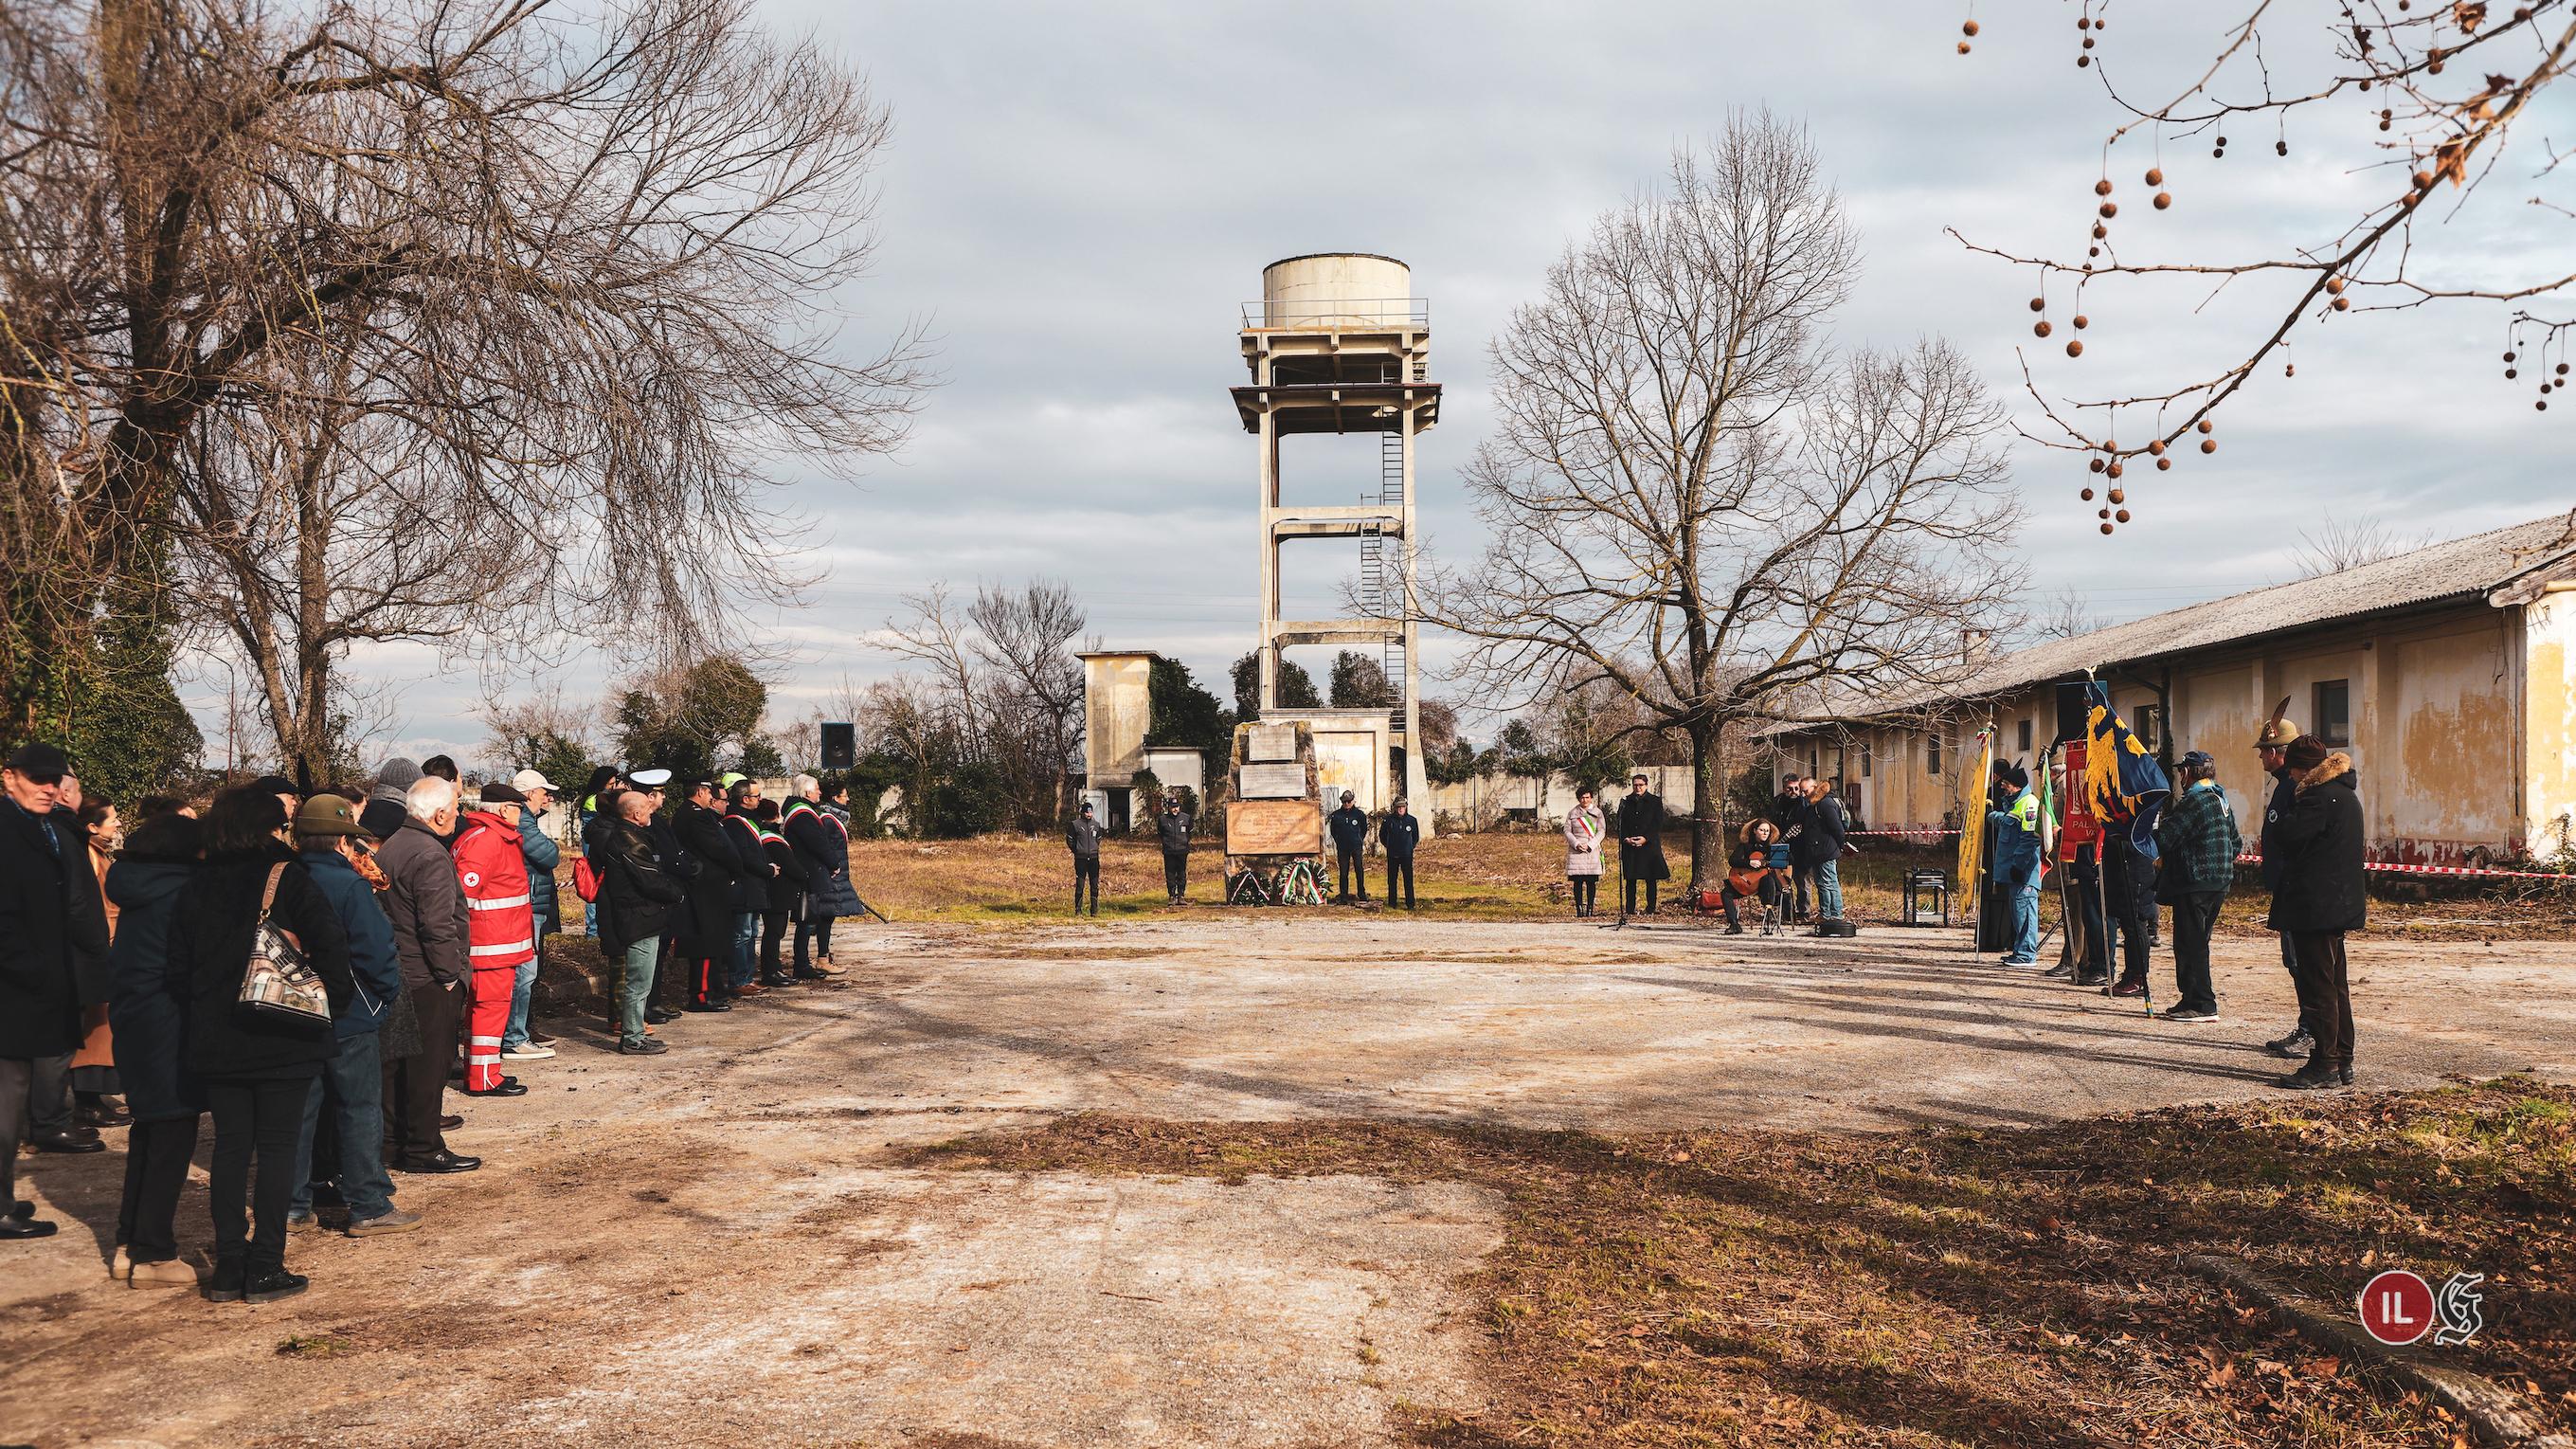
[1350, 846]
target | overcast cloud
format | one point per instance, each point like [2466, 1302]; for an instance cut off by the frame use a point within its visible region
[1079, 198]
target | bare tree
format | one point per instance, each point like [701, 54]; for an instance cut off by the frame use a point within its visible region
[2338, 544]
[939, 637]
[1692, 501]
[575, 272]
[2434, 94]
[1024, 639]
[2068, 614]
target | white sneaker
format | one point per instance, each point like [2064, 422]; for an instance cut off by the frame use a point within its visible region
[529, 1053]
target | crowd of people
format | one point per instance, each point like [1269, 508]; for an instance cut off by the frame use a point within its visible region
[313, 972]
[2112, 884]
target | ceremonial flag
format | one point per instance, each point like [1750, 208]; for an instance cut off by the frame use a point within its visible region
[2123, 783]
[1974, 770]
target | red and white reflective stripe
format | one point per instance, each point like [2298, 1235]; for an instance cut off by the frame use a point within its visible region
[1928, 832]
[525, 948]
[498, 903]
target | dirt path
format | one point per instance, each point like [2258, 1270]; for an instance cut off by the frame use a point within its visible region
[714, 1247]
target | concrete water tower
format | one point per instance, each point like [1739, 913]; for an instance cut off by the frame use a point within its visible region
[1338, 343]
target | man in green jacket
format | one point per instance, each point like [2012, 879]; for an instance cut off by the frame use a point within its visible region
[2196, 842]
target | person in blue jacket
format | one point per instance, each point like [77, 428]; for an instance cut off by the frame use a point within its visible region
[1397, 836]
[331, 842]
[2015, 828]
[518, 1044]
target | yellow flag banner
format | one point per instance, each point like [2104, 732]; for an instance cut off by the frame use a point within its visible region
[1975, 767]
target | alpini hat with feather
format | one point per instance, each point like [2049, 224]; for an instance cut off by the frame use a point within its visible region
[2277, 731]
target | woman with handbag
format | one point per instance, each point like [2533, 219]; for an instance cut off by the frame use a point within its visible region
[266, 967]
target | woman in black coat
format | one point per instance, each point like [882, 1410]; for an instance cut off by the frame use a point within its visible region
[786, 892]
[149, 1014]
[256, 1069]
[2318, 899]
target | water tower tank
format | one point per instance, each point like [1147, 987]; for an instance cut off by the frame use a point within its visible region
[1326, 291]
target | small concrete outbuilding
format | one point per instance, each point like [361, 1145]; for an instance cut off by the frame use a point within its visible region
[2448, 673]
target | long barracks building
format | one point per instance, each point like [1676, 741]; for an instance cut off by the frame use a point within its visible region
[2448, 673]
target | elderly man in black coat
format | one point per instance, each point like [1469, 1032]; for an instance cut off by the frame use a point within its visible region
[53, 930]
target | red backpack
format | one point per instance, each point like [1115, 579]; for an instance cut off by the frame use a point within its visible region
[585, 880]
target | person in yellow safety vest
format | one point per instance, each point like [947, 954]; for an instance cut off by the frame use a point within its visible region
[2017, 857]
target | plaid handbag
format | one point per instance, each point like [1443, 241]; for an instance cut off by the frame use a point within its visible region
[280, 985]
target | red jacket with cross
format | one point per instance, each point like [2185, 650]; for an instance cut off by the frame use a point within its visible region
[501, 927]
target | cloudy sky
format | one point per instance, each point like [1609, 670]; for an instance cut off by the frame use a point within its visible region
[1080, 196]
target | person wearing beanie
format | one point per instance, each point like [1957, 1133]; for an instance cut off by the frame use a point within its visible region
[384, 812]
[2319, 900]
[2014, 825]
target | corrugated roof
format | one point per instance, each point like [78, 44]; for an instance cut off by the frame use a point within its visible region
[2463, 568]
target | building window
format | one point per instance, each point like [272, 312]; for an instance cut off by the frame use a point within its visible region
[2025, 737]
[2142, 723]
[1931, 754]
[2334, 711]
[1864, 762]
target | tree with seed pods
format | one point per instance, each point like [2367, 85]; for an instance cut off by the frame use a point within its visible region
[2423, 96]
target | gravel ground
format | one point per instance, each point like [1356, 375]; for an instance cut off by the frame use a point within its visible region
[718, 1246]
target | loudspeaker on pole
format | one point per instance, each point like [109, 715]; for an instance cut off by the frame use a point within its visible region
[840, 745]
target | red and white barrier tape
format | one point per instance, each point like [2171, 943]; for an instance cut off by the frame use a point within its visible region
[2401, 868]
[2389, 866]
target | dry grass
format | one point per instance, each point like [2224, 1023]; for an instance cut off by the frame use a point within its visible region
[1006, 878]
[1954, 1287]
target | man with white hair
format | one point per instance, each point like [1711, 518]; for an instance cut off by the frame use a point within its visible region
[427, 909]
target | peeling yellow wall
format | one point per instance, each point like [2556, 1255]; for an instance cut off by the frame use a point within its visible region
[2463, 726]
[2549, 722]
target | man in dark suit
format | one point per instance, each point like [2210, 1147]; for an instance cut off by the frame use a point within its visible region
[53, 926]
[707, 925]
[1350, 847]
[1398, 836]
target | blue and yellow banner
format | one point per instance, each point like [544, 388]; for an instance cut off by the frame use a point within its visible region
[2123, 782]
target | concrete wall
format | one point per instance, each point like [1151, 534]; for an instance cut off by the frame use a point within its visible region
[2446, 708]
[2548, 786]
[1481, 801]
[1117, 709]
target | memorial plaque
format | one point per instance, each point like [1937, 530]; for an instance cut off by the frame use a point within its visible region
[1274, 827]
[1271, 782]
[1270, 742]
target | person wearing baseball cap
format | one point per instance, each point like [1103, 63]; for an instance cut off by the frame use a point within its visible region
[536, 792]
[332, 842]
[58, 934]
[2196, 843]
[1350, 826]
